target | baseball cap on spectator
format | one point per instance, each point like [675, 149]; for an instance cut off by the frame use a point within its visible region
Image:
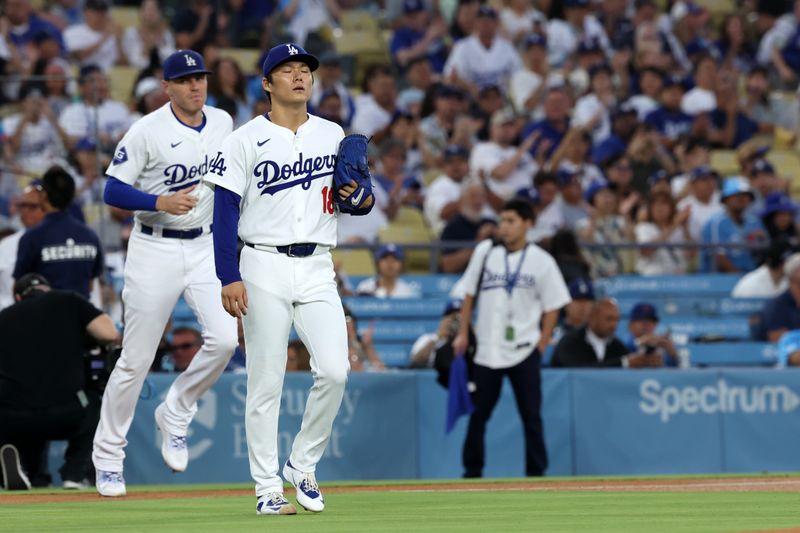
[778, 202]
[567, 176]
[86, 71]
[413, 6]
[581, 289]
[639, 4]
[529, 194]
[389, 249]
[86, 144]
[145, 87]
[595, 187]
[624, 109]
[184, 63]
[599, 68]
[28, 283]
[606, 151]
[644, 311]
[449, 91]
[283, 53]
[762, 165]
[487, 11]
[576, 3]
[452, 306]
[534, 39]
[96, 5]
[703, 171]
[43, 34]
[661, 175]
[503, 116]
[410, 97]
[488, 87]
[328, 57]
[451, 151]
[588, 46]
[694, 8]
[673, 81]
[736, 185]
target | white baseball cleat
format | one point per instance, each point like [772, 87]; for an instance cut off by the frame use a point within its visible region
[274, 503]
[308, 493]
[173, 446]
[14, 477]
[110, 484]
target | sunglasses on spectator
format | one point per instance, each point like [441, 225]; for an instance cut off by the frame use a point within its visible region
[28, 205]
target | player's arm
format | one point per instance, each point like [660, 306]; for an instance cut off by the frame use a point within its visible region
[124, 196]
[226, 228]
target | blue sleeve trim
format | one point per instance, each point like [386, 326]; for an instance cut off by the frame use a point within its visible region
[124, 196]
[226, 230]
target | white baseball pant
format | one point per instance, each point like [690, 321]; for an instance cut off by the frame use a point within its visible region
[282, 291]
[157, 271]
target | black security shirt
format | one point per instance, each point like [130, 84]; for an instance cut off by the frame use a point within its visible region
[41, 349]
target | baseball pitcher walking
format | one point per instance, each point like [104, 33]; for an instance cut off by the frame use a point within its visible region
[282, 185]
[158, 171]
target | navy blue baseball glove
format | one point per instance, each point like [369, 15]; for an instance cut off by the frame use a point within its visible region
[351, 165]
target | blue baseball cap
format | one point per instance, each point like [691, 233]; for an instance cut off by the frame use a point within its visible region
[762, 165]
[389, 249]
[661, 175]
[455, 150]
[594, 188]
[487, 11]
[581, 289]
[86, 144]
[449, 91]
[529, 194]
[673, 81]
[588, 46]
[283, 53]
[576, 3]
[453, 306]
[703, 171]
[736, 185]
[566, 177]
[644, 311]
[413, 6]
[778, 202]
[183, 63]
[534, 39]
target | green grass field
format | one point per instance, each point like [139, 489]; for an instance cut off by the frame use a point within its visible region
[432, 509]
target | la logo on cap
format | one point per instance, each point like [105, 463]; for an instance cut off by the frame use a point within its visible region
[292, 50]
[190, 62]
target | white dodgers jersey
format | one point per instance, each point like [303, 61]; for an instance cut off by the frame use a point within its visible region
[285, 180]
[161, 155]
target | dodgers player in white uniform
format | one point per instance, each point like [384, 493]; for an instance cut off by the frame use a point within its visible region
[158, 171]
[520, 291]
[275, 185]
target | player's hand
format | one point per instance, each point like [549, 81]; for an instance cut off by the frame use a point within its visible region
[179, 203]
[234, 299]
[346, 190]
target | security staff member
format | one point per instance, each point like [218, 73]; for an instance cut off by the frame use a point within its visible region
[62, 249]
[43, 390]
[520, 291]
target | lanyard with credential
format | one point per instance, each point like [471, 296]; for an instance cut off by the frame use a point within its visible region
[511, 282]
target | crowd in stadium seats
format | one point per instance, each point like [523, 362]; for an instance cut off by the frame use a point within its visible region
[657, 123]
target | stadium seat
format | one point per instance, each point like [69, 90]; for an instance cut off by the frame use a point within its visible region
[731, 354]
[394, 355]
[725, 162]
[355, 20]
[398, 330]
[787, 164]
[355, 262]
[246, 58]
[122, 79]
[125, 16]
[685, 330]
[690, 306]
[410, 230]
[366, 307]
[645, 287]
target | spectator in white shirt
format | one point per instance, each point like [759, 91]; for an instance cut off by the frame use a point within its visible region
[592, 111]
[527, 85]
[387, 282]
[31, 212]
[328, 78]
[375, 107]
[503, 167]
[110, 117]
[666, 225]
[768, 280]
[703, 200]
[98, 41]
[437, 128]
[152, 36]
[519, 19]
[442, 201]
[578, 25]
[702, 98]
[484, 58]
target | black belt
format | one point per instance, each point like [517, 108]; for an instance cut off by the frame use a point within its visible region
[298, 249]
[176, 233]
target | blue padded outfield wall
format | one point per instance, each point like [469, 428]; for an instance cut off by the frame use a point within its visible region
[391, 426]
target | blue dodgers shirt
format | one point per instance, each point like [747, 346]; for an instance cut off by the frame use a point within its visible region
[549, 132]
[780, 313]
[406, 38]
[721, 228]
[63, 250]
[789, 343]
[671, 124]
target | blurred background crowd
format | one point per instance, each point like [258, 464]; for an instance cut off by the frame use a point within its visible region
[650, 136]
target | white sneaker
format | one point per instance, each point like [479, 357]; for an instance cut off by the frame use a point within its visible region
[75, 485]
[110, 484]
[274, 503]
[173, 446]
[308, 493]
